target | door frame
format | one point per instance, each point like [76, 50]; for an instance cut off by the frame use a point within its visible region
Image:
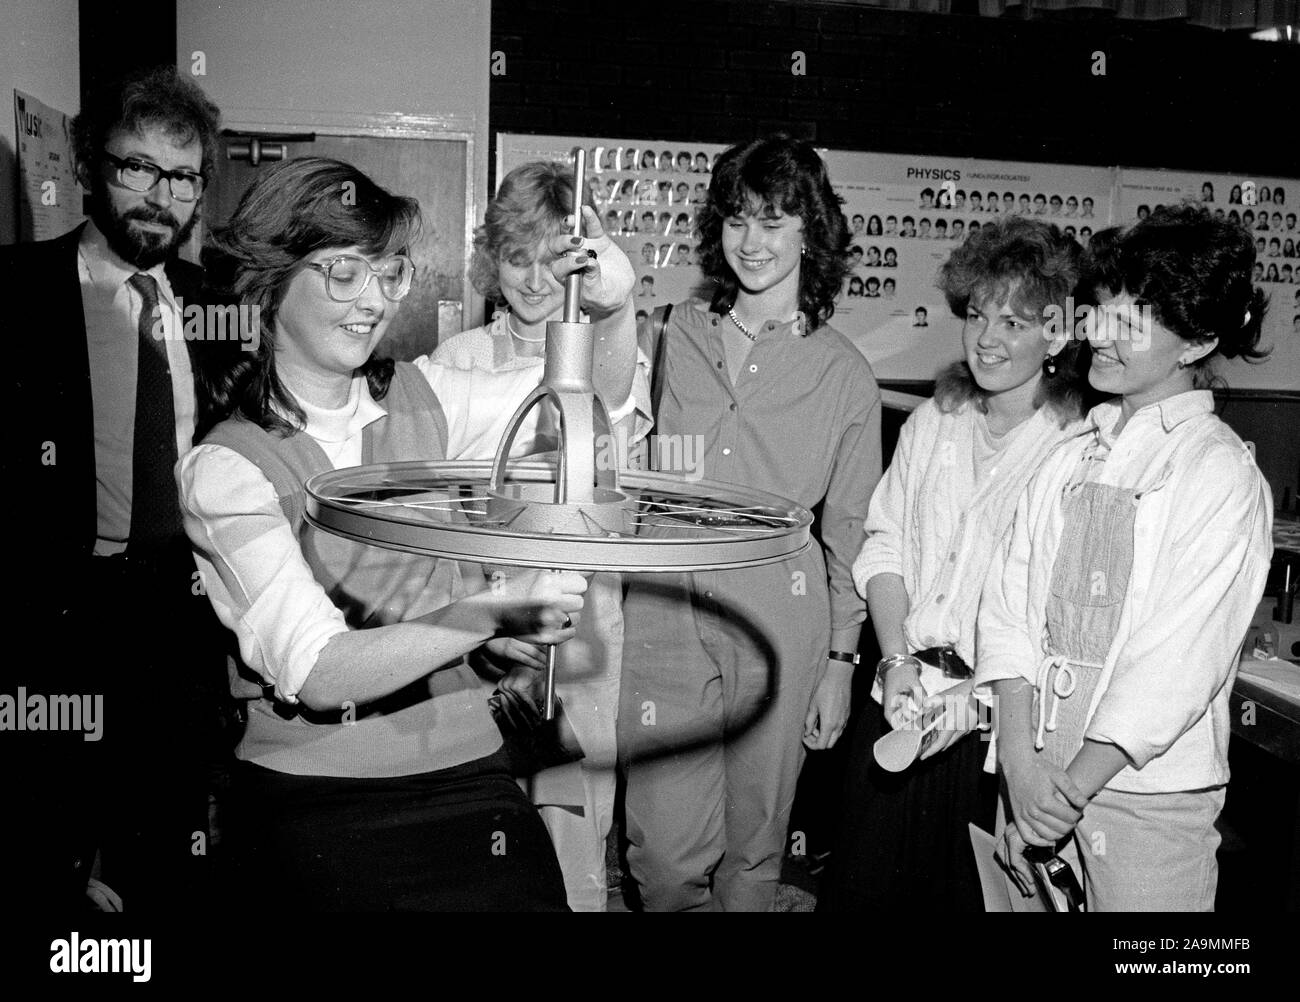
[382, 125]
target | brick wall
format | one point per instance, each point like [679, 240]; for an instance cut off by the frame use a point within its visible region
[717, 71]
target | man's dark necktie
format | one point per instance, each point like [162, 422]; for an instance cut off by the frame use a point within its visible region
[155, 510]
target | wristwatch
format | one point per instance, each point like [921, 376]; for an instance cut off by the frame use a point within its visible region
[852, 659]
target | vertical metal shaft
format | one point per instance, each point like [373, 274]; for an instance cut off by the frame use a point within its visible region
[572, 315]
[573, 284]
[550, 682]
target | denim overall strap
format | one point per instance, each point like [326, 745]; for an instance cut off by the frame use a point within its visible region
[1089, 581]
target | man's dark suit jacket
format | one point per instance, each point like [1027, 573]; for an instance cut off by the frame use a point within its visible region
[65, 787]
[50, 402]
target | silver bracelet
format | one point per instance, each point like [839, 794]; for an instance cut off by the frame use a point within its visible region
[892, 661]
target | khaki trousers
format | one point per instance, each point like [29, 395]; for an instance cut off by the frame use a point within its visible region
[718, 672]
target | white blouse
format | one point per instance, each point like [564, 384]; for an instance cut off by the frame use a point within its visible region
[249, 559]
[941, 509]
[1202, 545]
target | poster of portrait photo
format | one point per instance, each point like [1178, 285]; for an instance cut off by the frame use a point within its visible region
[646, 193]
[906, 214]
[1267, 208]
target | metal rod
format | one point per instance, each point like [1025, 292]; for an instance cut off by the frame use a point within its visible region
[550, 682]
[573, 283]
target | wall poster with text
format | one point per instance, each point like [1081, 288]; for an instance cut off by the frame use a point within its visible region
[49, 197]
[906, 215]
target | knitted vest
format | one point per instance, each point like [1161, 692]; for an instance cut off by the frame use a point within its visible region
[434, 723]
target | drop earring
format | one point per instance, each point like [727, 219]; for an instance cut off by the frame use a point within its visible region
[1049, 366]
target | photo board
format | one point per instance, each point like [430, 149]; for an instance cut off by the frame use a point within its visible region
[906, 214]
[1253, 201]
[923, 208]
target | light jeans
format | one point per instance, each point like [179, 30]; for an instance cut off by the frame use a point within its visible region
[1149, 852]
[1144, 852]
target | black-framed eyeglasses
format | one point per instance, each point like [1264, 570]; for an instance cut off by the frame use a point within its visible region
[140, 175]
[347, 276]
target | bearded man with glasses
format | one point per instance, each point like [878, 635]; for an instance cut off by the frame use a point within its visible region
[108, 589]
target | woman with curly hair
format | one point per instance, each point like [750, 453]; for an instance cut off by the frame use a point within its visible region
[371, 774]
[1112, 619]
[726, 674]
[936, 519]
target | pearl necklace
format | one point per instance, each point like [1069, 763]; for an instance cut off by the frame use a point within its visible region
[731, 312]
[526, 340]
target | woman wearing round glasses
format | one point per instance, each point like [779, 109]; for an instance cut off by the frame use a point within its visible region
[371, 775]
[482, 376]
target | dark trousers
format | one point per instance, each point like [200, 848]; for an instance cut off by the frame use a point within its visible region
[133, 639]
[459, 839]
[162, 671]
[903, 843]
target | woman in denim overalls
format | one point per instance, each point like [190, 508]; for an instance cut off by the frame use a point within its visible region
[1111, 623]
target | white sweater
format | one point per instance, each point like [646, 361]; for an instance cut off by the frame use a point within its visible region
[937, 521]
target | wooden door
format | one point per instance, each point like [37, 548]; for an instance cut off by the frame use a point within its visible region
[431, 170]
